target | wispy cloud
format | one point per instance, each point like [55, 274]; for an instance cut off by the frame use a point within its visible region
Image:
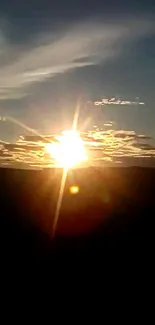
[108, 124]
[115, 101]
[82, 45]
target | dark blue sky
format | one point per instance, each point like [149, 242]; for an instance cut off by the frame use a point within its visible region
[52, 52]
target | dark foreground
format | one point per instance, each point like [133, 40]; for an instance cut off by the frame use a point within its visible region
[111, 216]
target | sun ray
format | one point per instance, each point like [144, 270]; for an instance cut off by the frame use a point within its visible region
[76, 117]
[24, 126]
[59, 202]
[64, 175]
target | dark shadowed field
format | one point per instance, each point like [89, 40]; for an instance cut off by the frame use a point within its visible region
[111, 215]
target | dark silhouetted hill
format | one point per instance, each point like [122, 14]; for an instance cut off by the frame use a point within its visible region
[113, 213]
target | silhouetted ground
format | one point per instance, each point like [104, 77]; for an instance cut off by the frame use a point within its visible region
[112, 215]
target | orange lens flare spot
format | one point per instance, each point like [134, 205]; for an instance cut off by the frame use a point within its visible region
[74, 189]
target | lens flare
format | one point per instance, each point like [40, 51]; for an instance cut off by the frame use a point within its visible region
[74, 189]
[69, 151]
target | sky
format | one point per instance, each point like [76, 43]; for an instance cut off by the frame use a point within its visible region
[55, 54]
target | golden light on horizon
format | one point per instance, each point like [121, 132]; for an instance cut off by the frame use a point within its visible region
[69, 151]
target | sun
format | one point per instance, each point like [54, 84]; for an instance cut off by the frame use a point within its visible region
[69, 151]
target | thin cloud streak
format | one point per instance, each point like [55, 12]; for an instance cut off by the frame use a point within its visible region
[115, 101]
[83, 45]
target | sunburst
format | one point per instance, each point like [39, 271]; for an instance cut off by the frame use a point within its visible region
[68, 152]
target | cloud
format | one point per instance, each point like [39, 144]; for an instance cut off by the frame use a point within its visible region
[109, 124]
[145, 146]
[109, 147]
[82, 45]
[115, 101]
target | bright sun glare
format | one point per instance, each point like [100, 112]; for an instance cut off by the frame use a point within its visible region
[69, 151]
